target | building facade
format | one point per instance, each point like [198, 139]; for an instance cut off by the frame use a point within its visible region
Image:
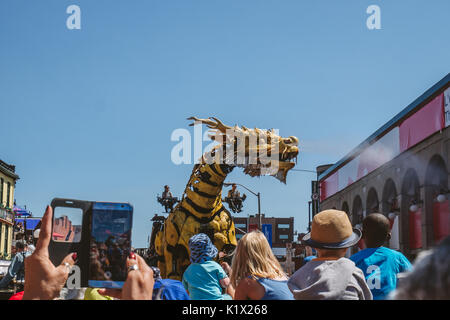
[64, 230]
[8, 179]
[401, 171]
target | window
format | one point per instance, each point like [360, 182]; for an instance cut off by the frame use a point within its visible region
[239, 236]
[284, 236]
[284, 226]
[8, 195]
[241, 226]
[5, 248]
[1, 190]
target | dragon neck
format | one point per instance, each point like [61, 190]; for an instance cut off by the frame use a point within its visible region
[203, 194]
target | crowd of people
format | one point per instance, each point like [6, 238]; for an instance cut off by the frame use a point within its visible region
[375, 272]
[107, 259]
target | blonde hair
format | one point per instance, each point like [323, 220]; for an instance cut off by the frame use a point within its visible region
[253, 258]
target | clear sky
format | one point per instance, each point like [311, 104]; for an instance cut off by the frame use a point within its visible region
[88, 114]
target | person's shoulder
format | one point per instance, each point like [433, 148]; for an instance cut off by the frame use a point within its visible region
[352, 266]
[170, 282]
[392, 252]
[309, 258]
[347, 264]
[190, 267]
[211, 264]
[248, 282]
[401, 258]
[208, 266]
[387, 250]
[345, 260]
[359, 255]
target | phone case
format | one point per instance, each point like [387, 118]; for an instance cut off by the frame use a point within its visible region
[59, 250]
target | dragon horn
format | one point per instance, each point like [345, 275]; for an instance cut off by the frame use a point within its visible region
[220, 125]
[209, 123]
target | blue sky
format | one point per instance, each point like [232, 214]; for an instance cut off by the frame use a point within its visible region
[88, 114]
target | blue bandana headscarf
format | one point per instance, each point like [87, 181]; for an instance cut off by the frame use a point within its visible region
[202, 249]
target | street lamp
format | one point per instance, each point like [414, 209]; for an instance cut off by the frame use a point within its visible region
[227, 184]
[414, 207]
[442, 196]
[314, 204]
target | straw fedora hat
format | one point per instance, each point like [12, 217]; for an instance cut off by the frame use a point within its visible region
[331, 229]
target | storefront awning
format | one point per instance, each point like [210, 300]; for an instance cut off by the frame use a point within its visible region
[18, 211]
[31, 223]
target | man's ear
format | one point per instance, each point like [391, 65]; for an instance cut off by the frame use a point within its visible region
[388, 236]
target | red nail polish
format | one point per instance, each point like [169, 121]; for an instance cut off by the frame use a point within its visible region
[132, 256]
[74, 256]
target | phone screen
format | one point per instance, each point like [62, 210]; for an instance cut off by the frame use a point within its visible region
[110, 244]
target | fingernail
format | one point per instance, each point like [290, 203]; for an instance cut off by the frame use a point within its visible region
[132, 256]
[74, 256]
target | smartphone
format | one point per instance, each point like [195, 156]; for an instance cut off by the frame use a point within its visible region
[110, 244]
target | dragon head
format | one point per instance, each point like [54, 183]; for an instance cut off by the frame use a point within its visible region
[258, 152]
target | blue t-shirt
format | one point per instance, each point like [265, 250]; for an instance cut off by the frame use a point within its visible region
[275, 289]
[380, 267]
[202, 281]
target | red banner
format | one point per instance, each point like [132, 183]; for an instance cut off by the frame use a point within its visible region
[329, 186]
[414, 129]
[422, 124]
[441, 220]
[415, 229]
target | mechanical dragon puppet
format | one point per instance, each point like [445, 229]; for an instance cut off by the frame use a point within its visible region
[258, 152]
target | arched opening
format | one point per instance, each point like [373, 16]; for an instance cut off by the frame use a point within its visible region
[389, 198]
[437, 203]
[391, 209]
[357, 218]
[411, 222]
[346, 208]
[357, 211]
[372, 204]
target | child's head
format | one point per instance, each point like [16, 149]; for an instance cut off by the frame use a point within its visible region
[201, 248]
[331, 234]
[254, 257]
[376, 230]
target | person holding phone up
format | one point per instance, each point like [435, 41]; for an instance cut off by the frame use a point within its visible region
[45, 281]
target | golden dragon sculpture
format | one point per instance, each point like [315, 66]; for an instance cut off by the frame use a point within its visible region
[258, 152]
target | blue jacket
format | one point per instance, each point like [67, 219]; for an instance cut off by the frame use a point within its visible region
[380, 267]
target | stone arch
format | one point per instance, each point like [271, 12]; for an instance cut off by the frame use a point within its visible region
[389, 201]
[345, 207]
[357, 211]
[411, 232]
[372, 202]
[391, 209]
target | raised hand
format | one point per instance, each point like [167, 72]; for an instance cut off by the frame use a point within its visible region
[44, 281]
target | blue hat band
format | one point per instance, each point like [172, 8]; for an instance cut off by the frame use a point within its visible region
[350, 241]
